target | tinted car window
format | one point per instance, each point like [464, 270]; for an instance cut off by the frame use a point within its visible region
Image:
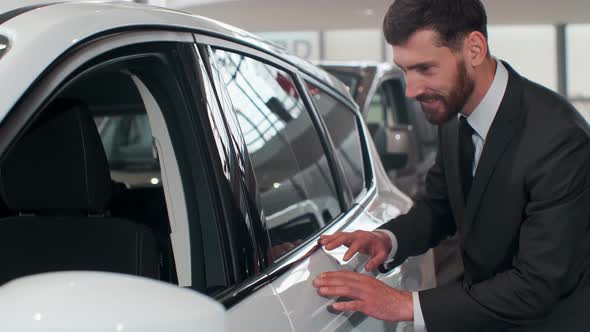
[378, 108]
[295, 182]
[388, 105]
[127, 138]
[342, 125]
[395, 92]
[351, 80]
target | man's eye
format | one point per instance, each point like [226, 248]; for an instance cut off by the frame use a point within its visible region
[423, 69]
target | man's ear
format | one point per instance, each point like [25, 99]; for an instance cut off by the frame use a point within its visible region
[475, 47]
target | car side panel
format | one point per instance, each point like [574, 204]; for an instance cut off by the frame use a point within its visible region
[259, 312]
[309, 311]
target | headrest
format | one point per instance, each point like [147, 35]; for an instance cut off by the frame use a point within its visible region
[58, 164]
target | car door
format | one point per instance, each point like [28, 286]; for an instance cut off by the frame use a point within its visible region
[293, 182]
[297, 186]
[209, 236]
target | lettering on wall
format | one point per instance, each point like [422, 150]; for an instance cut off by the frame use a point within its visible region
[304, 44]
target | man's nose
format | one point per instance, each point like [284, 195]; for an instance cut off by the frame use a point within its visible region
[413, 88]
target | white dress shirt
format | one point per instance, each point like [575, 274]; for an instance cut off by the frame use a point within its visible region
[480, 120]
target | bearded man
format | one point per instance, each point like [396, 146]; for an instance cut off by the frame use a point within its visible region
[511, 180]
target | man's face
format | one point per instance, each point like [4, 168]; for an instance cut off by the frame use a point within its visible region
[436, 76]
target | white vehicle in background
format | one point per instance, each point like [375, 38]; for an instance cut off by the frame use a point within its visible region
[151, 143]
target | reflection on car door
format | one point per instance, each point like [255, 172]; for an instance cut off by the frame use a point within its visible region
[295, 182]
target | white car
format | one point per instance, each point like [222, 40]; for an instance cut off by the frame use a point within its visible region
[151, 143]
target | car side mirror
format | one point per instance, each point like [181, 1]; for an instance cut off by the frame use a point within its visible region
[401, 149]
[79, 301]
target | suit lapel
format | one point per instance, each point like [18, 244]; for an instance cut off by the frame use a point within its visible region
[504, 127]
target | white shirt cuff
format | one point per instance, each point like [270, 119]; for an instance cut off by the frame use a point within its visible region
[419, 324]
[393, 250]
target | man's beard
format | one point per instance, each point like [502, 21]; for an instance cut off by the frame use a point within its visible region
[454, 102]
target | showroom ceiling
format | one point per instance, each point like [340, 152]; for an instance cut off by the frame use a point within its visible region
[267, 15]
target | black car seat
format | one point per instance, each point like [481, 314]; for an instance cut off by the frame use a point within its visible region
[56, 177]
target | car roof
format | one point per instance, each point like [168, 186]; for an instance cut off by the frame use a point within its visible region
[381, 68]
[39, 31]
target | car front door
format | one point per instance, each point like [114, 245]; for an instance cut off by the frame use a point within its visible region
[294, 188]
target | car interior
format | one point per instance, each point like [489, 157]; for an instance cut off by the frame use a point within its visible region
[82, 189]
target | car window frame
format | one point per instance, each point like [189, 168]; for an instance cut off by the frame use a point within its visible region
[61, 71]
[228, 179]
[296, 75]
[327, 147]
[369, 180]
[240, 291]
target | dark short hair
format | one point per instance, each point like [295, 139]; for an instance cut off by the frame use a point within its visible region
[452, 19]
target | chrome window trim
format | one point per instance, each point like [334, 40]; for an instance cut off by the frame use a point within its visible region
[311, 245]
[238, 292]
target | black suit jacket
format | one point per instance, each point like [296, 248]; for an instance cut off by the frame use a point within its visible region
[524, 229]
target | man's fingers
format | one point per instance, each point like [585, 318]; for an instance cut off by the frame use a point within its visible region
[348, 306]
[335, 241]
[325, 239]
[331, 237]
[327, 277]
[337, 279]
[346, 291]
[374, 262]
[353, 249]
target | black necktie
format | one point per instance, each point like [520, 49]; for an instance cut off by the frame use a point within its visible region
[466, 154]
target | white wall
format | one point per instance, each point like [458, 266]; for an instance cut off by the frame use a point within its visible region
[578, 57]
[303, 43]
[530, 50]
[353, 45]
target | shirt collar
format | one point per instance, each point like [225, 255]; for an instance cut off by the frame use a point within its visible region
[482, 117]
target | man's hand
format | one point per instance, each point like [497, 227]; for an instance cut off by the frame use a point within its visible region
[375, 244]
[369, 295]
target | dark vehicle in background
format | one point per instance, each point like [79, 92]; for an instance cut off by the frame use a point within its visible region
[406, 141]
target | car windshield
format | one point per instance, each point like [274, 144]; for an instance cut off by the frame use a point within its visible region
[351, 80]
